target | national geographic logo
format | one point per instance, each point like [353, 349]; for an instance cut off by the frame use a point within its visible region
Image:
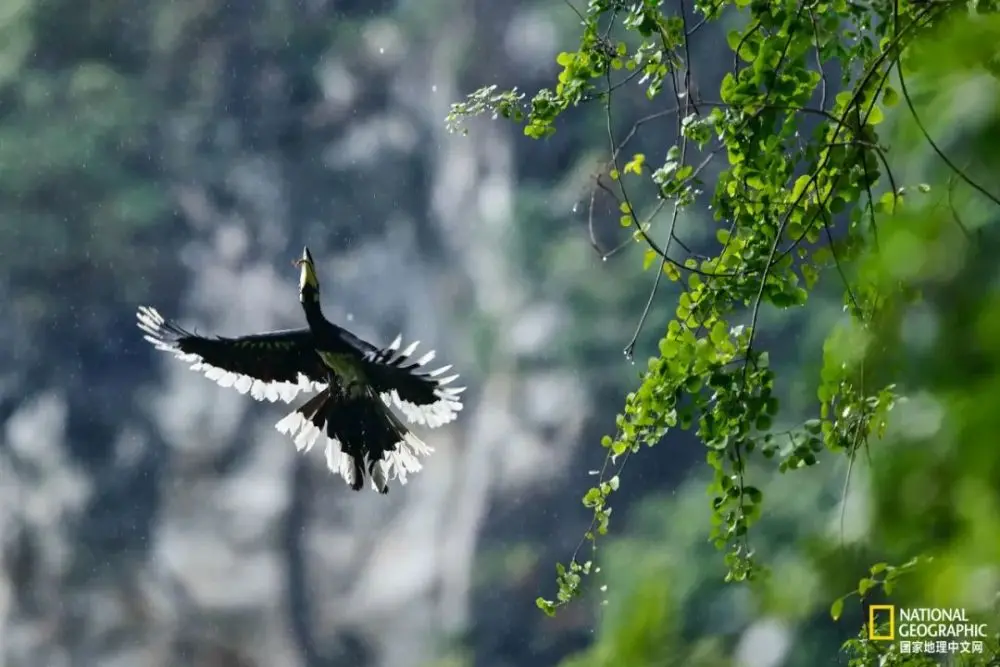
[926, 629]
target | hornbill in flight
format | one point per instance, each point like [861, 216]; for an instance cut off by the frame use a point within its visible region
[357, 383]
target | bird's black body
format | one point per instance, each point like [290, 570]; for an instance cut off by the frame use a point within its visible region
[356, 381]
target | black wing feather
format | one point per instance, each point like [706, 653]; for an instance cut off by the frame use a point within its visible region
[272, 366]
[422, 396]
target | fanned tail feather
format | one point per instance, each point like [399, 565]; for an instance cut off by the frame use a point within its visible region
[362, 435]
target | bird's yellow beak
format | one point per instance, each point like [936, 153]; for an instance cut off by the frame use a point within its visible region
[307, 275]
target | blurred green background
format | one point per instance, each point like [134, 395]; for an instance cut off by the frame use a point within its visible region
[181, 153]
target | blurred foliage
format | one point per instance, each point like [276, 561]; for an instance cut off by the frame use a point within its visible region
[908, 383]
[811, 201]
[78, 176]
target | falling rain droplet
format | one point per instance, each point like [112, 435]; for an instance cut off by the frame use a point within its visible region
[381, 49]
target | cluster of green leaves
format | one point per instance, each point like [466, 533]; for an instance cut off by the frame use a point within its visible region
[806, 187]
[881, 575]
[863, 651]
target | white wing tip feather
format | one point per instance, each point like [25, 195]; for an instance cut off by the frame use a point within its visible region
[151, 322]
[443, 411]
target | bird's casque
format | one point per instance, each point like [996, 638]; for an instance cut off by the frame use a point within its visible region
[356, 383]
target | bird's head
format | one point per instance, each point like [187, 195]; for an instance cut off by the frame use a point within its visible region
[308, 282]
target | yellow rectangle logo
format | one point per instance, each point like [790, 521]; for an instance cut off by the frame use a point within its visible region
[876, 610]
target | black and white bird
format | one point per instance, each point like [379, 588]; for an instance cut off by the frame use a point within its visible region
[357, 384]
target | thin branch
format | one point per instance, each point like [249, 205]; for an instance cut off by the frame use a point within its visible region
[952, 181]
[927, 137]
[575, 10]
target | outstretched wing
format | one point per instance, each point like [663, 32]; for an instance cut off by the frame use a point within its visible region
[421, 396]
[269, 366]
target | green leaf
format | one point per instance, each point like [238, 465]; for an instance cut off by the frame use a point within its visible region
[592, 498]
[548, 607]
[719, 333]
[890, 97]
[875, 116]
[634, 166]
[810, 275]
[887, 203]
[648, 258]
[837, 609]
[733, 38]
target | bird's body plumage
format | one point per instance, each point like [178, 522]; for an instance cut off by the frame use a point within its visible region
[356, 381]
